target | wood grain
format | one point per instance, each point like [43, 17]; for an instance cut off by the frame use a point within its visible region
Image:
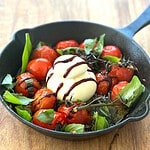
[18, 14]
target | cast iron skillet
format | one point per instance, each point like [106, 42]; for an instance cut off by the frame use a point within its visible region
[10, 60]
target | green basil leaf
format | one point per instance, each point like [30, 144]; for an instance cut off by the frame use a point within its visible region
[8, 82]
[130, 93]
[26, 52]
[74, 128]
[99, 46]
[89, 44]
[46, 116]
[100, 122]
[15, 98]
[112, 59]
[23, 113]
[68, 50]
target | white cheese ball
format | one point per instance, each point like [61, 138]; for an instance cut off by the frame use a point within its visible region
[71, 79]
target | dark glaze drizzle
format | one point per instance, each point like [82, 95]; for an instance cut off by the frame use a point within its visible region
[49, 77]
[59, 87]
[73, 66]
[76, 84]
[66, 60]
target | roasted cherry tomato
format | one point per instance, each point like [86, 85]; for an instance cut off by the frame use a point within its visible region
[67, 43]
[81, 116]
[81, 45]
[121, 73]
[43, 99]
[26, 84]
[104, 82]
[45, 52]
[39, 68]
[111, 50]
[58, 118]
[116, 89]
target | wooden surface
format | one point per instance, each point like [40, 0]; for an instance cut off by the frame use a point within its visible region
[18, 14]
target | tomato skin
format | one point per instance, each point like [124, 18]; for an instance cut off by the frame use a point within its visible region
[67, 43]
[121, 73]
[39, 68]
[43, 99]
[45, 52]
[58, 118]
[26, 84]
[81, 116]
[82, 45]
[104, 82]
[116, 89]
[111, 50]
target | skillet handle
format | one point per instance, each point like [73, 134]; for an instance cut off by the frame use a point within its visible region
[143, 20]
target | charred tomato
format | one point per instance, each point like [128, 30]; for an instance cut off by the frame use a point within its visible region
[116, 90]
[82, 116]
[43, 99]
[48, 118]
[26, 84]
[45, 52]
[67, 43]
[121, 73]
[39, 68]
[111, 50]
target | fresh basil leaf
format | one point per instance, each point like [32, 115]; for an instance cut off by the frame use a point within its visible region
[15, 98]
[22, 112]
[8, 82]
[130, 93]
[68, 50]
[89, 44]
[100, 122]
[46, 116]
[112, 59]
[99, 46]
[26, 52]
[74, 128]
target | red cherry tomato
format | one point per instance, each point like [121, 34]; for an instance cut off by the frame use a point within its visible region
[121, 73]
[45, 52]
[67, 43]
[43, 99]
[81, 45]
[111, 50]
[26, 84]
[39, 68]
[81, 116]
[58, 118]
[104, 82]
[116, 89]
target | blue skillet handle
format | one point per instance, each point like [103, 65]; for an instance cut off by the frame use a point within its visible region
[143, 20]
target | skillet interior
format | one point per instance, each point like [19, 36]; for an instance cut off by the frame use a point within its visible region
[10, 61]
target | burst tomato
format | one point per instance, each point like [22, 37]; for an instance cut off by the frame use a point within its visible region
[58, 118]
[116, 89]
[45, 52]
[43, 99]
[81, 45]
[39, 68]
[26, 84]
[67, 43]
[111, 50]
[81, 116]
[121, 73]
[104, 82]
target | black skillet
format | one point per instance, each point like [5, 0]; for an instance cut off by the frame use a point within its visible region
[10, 60]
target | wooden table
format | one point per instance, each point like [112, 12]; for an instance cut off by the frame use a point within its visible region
[18, 14]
